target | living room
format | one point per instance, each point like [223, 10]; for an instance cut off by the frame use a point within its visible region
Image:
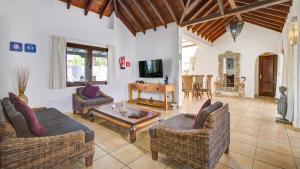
[43, 25]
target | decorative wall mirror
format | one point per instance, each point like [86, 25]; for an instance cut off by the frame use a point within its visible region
[229, 71]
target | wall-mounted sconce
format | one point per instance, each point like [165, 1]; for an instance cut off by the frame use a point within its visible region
[294, 31]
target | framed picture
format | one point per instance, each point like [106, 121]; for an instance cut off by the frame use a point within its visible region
[16, 46]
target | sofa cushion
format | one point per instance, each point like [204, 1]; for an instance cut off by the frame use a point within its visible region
[206, 104]
[57, 123]
[34, 125]
[179, 122]
[203, 114]
[96, 101]
[16, 119]
[90, 91]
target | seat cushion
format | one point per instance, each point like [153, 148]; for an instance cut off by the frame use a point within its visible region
[179, 122]
[97, 101]
[203, 114]
[57, 123]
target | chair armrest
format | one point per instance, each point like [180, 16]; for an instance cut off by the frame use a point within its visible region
[104, 95]
[40, 152]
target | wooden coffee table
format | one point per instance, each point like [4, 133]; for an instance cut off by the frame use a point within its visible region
[115, 116]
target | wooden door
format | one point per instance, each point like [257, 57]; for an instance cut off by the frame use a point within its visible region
[267, 75]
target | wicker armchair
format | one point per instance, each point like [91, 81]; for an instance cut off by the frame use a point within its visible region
[196, 148]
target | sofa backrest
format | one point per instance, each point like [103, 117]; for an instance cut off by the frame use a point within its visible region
[16, 119]
[218, 118]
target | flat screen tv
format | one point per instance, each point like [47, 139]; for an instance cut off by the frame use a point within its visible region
[151, 68]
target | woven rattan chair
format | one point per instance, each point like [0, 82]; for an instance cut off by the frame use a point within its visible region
[195, 148]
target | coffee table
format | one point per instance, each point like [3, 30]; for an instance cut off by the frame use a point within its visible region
[114, 115]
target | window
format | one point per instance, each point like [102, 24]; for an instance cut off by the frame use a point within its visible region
[86, 64]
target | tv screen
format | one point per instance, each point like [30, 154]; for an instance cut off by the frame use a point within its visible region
[151, 68]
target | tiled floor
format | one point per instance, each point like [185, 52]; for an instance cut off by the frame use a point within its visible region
[257, 141]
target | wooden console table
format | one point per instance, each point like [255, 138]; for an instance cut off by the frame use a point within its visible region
[152, 88]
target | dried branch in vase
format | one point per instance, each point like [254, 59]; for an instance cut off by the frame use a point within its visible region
[22, 78]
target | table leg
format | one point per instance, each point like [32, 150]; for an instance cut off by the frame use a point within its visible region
[173, 97]
[132, 134]
[166, 100]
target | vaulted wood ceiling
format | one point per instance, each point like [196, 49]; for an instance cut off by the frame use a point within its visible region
[206, 18]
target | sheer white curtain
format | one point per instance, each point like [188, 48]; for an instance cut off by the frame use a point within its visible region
[111, 70]
[58, 63]
[289, 74]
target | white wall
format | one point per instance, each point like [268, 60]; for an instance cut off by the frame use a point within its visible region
[162, 44]
[35, 21]
[252, 42]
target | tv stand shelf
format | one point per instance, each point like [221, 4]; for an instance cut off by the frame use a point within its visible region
[152, 88]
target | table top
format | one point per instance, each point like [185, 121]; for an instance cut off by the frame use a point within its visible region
[116, 113]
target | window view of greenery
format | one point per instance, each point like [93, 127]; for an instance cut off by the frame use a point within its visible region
[99, 66]
[76, 64]
[86, 64]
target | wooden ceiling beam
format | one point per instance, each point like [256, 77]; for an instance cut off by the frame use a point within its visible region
[196, 28]
[221, 6]
[265, 15]
[264, 18]
[189, 9]
[102, 9]
[239, 10]
[207, 26]
[201, 9]
[216, 27]
[88, 6]
[136, 21]
[277, 29]
[153, 7]
[273, 13]
[218, 35]
[264, 21]
[69, 3]
[125, 21]
[171, 11]
[210, 34]
[184, 11]
[116, 8]
[276, 8]
[143, 12]
[233, 6]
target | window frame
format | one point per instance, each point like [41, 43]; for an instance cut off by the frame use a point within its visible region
[88, 64]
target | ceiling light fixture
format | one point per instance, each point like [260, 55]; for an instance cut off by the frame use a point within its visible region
[235, 28]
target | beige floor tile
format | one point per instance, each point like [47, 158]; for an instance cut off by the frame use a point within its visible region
[146, 162]
[262, 165]
[246, 130]
[106, 162]
[275, 158]
[244, 138]
[295, 142]
[235, 160]
[275, 146]
[297, 162]
[128, 153]
[113, 143]
[70, 165]
[296, 151]
[221, 166]
[125, 167]
[242, 148]
[102, 135]
[99, 152]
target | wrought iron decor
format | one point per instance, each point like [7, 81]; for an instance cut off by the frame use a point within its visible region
[235, 27]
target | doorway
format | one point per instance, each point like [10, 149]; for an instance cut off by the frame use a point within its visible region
[267, 75]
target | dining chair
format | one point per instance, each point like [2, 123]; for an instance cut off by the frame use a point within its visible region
[187, 85]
